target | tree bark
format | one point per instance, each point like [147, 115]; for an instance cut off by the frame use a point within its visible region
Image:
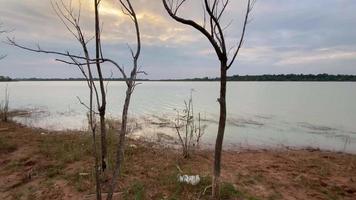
[103, 139]
[102, 108]
[130, 88]
[121, 145]
[221, 131]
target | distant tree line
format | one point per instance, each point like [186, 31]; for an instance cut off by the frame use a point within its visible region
[294, 77]
[5, 78]
[278, 77]
[265, 77]
[73, 79]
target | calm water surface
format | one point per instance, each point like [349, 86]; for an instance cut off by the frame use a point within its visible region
[260, 114]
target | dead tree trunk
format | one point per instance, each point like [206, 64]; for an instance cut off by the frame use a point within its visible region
[92, 123]
[71, 22]
[102, 107]
[128, 9]
[93, 93]
[121, 144]
[213, 30]
[221, 130]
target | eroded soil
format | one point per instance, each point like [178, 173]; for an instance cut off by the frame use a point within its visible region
[38, 164]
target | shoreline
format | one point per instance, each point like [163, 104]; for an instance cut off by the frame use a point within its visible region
[154, 129]
[39, 165]
[190, 81]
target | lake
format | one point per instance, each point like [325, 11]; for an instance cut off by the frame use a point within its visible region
[260, 114]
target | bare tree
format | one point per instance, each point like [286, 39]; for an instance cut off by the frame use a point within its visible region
[102, 107]
[127, 9]
[213, 30]
[101, 98]
[71, 22]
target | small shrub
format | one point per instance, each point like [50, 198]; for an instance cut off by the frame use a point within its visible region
[188, 128]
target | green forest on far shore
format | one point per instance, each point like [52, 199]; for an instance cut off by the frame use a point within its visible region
[266, 77]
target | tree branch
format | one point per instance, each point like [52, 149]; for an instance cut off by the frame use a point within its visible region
[250, 5]
[196, 26]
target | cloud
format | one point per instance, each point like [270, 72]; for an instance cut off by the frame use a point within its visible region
[317, 56]
[291, 36]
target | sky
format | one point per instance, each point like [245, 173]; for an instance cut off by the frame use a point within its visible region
[289, 36]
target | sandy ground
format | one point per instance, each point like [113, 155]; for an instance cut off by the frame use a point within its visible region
[38, 164]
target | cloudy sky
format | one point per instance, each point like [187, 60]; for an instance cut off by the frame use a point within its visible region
[289, 36]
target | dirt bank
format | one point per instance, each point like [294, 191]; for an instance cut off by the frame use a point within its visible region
[38, 164]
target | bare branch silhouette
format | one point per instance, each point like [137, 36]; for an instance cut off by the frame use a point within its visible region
[213, 30]
[127, 8]
[1, 32]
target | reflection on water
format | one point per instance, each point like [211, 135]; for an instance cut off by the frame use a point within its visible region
[260, 114]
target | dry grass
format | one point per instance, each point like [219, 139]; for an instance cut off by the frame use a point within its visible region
[59, 166]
